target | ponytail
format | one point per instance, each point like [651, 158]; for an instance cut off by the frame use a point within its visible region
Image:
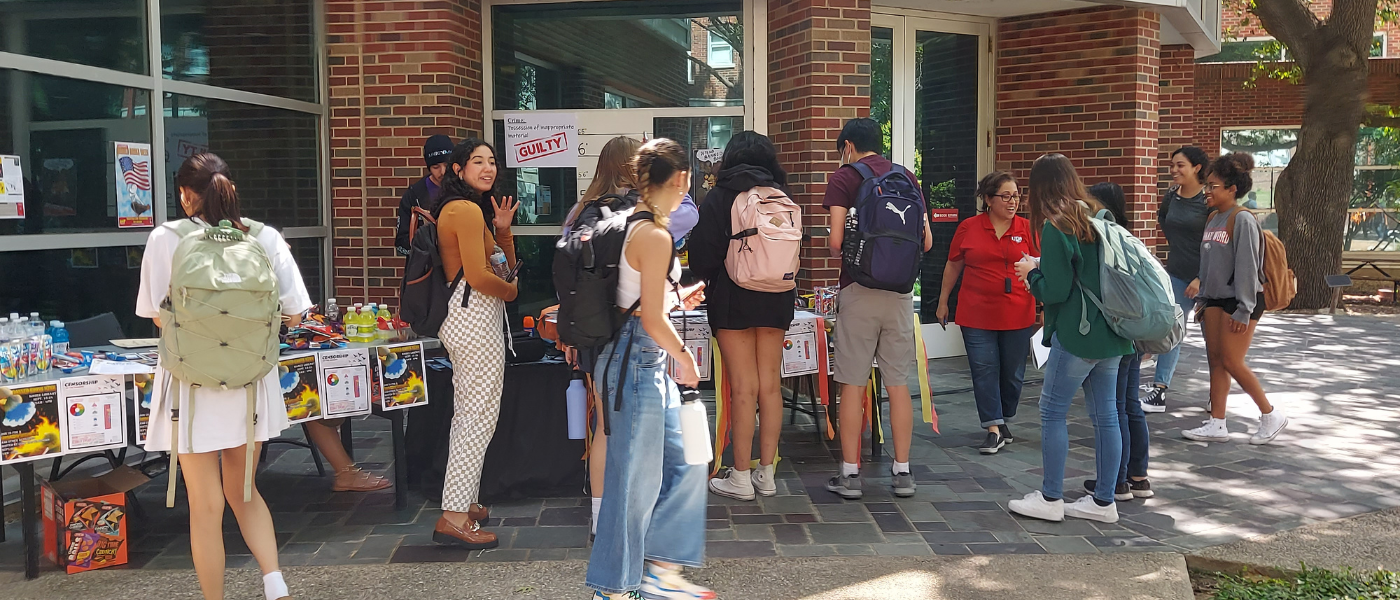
[207, 176]
[657, 162]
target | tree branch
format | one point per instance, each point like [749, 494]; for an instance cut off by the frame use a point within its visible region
[1355, 20]
[1290, 22]
[711, 70]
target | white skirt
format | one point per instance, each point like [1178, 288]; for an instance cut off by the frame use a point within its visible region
[219, 419]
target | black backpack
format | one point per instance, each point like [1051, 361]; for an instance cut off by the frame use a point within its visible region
[585, 277]
[426, 293]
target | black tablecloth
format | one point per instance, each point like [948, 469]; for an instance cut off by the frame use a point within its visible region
[530, 454]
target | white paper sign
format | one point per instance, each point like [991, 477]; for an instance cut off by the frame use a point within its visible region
[800, 354]
[133, 183]
[94, 408]
[700, 349]
[345, 382]
[11, 188]
[1040, 351]
[541, 139]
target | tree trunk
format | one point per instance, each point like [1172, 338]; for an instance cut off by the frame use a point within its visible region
[1314, 191]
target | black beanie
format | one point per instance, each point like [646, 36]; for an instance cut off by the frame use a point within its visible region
[437, 150]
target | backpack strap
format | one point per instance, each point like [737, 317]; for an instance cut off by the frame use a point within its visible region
[174, 441]
[865, 171]
[184, 227]
[250, 464]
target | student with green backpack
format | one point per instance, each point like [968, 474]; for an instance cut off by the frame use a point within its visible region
[219, 286]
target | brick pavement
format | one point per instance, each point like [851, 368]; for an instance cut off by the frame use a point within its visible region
[1336, 459]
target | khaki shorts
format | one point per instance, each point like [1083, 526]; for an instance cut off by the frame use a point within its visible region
[874, 324]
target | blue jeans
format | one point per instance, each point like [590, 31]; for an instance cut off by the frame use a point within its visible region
[1166, 361]
[1132, 424]
[653, 502]
[1065, 373]
[997, 360]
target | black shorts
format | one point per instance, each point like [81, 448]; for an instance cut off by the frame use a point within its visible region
[1230, 305]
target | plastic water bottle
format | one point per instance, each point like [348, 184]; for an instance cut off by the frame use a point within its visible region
[332, 310]
[695, 429]
[352, 323]
[385, 324]
[373, 310]
[577, 405]
[498, 262]
[59, 334]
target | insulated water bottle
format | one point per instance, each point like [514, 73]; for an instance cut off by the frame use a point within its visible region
[695, 428]
[577, 400]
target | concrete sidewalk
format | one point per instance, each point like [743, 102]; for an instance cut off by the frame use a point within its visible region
[1144, 576]
[1363, 543]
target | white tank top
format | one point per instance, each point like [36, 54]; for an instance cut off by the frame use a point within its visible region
[629, 280]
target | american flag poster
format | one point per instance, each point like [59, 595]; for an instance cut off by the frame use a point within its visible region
[133, 183]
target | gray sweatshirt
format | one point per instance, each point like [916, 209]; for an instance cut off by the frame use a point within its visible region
[1231, 263]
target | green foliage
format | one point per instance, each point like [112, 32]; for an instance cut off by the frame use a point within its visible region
[942, 194]
[1314, 584]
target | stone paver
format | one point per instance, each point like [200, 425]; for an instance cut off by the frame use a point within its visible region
[1333, 375]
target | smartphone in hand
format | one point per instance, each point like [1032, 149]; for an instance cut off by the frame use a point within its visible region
[510, 276]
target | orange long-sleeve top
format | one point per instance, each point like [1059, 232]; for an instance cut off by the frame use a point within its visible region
[466, 243]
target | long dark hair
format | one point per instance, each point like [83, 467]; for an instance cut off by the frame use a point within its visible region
[754, 149]
[1198, 159]
[208, 177]
[1111, 196]
[453, 186]
[1056, 194]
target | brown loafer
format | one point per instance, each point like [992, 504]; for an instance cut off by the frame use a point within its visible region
[472, 537]
[352, 479]
[478, 513]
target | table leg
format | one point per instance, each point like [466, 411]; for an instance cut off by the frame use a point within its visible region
[29, 519]
[396, 421]
[346, 439]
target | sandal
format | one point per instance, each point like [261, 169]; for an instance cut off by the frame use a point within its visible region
[352, 479]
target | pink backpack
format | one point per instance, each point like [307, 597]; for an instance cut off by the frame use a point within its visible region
[765, 242]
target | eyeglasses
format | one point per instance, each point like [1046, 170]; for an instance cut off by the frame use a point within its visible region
[1211, 187]
[1009, 197]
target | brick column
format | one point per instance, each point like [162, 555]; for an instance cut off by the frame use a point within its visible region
[818, 78]
[1084, 83]
[399, 72]
[1176, 104]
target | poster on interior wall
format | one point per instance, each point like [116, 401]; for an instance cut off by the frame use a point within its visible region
[134, 175]
[184, 137]
[345, 383]
[707, 162]
[94, 409]
[542, 139]
[58, 182]
[31, 428]
[11, 188]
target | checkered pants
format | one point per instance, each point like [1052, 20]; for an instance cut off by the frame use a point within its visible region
[474, 341]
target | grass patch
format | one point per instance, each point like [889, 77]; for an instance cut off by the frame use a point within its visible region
[1310, 584]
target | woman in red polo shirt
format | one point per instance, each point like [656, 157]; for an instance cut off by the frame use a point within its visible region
[996, 313]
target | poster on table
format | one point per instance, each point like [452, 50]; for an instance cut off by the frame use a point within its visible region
[31, 428]
[301, 389]
[541, 139]
[345, 384]
[11, 188]
[140, 389]
[94, 411]
[134, 175]
[700, 349]
[402, 376]
[801, 353]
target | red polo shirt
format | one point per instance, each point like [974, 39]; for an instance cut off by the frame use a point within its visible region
[987, 263]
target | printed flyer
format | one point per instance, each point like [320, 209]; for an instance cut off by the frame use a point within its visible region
[31, 428]
[402, 375]
[345, 383]
[11, 188]
[142, 384]
[94, 410]
[801, 354]
[133, 165]
[300, 387]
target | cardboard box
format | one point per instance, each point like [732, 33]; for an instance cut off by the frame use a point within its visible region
[85, 525]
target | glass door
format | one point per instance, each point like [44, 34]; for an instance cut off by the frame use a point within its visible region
[930, 89]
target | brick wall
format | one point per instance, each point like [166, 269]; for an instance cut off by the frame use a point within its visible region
[1084, 84]
[818, 78]
[400, 71]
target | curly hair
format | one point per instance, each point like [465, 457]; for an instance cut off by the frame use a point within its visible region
[1233, 171]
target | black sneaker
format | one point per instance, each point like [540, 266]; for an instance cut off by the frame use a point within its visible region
[992, 444]
[1140, 489]
[1121, 492]
[847, 487]
[1154, 400]
[1006, 433]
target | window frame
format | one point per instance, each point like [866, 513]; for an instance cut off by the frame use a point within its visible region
[713, 41]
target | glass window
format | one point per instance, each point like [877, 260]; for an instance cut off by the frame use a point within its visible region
[695, 134]
[44, 281]
[721, 54]
[572, 56]
[545, 194]
[307, 252]
[249, 45]
[63, 132]
[536, 255]
[1268, 49]
[882, 82]
[274, 155]
[100, 33]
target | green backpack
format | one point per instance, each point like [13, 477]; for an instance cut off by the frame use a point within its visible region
[220, 323]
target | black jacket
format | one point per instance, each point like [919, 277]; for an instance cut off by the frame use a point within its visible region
[730, 306]
[417, 195]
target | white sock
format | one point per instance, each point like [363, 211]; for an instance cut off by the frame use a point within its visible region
[597, 504]
[900, 467]
[849, 469]
[274, 586]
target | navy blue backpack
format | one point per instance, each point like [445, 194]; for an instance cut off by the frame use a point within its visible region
[884, 240]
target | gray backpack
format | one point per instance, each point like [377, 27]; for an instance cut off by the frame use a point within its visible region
[220, 323]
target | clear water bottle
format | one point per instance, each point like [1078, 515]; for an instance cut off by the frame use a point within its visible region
[332, 310]
[59, 334]
[498, 262]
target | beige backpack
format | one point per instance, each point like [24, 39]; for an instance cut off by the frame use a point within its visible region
[765, 240]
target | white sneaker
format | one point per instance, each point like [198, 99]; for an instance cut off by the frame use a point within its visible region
[1269, 427]
[665, 584]
[737, 485]
[763, 483]
[1035, 506]
[1086, 508]
[1211, 430]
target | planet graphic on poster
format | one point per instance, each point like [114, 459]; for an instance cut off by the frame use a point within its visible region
[395, 368]
[144, 384]
[17, 411]
[288, 379]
